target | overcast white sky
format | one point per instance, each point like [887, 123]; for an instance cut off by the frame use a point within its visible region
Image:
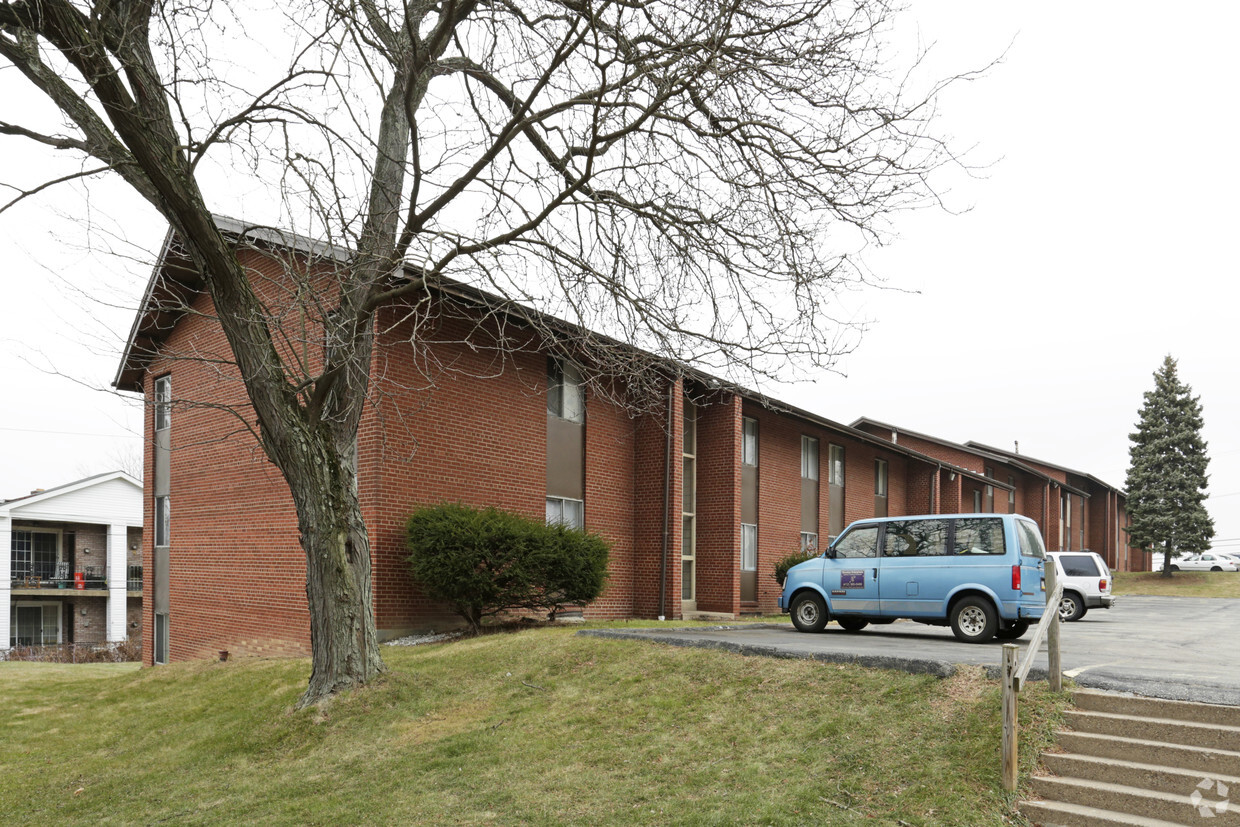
[1095, 244]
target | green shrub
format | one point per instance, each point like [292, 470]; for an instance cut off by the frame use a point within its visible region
[790, 560]
[485, 561]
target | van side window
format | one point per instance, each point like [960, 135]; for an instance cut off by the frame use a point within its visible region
[979, 535]
[860, 542]
[1030, 542]
[916, 538]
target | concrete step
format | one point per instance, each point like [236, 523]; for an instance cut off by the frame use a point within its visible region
[1214, 762]
[1062, 814]
[1092, 700]
[1134, 801]
[1152, 777]
[1186, 733]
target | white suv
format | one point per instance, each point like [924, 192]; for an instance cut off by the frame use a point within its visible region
[1086, 583]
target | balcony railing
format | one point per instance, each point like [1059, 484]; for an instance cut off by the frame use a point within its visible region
[25, 575]
[134, 579]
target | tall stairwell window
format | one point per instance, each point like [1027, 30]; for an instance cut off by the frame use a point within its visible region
[566, 441]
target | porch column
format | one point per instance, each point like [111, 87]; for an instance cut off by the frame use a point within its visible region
[118, 574]
[6, 579]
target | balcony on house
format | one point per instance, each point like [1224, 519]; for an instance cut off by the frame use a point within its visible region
[28, 577]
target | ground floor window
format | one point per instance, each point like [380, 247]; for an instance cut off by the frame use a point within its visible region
[161, 637]
[571, 513]
[809, 542]
[34, 624]
[749, 547]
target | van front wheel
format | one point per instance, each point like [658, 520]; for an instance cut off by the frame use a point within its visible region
[809, 612]
[974, 620]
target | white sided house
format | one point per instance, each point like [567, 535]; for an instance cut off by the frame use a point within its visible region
[73, 573]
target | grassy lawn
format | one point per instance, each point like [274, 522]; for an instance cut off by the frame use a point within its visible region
[532, 727]
[1181, 583]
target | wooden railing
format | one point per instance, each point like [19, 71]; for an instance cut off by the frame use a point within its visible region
[1014, 675]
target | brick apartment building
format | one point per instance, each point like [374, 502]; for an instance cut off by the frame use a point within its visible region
[1076, 511]
[699, 495]
[73, 572]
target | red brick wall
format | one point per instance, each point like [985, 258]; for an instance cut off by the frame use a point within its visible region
[237, 571]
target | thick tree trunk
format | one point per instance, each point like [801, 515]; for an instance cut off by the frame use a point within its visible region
[342, 628]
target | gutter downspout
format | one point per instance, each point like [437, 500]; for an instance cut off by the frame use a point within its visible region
[667, 501]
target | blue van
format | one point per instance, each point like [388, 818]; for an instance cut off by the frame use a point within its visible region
[982, 574]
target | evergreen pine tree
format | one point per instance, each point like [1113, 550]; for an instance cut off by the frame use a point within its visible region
[1167, 476]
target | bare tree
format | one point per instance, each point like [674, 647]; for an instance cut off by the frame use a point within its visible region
[671, 173]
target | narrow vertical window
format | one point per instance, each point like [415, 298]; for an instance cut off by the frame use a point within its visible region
[749, 547]
[880, 488]
[688, 483]
[163, 403]
[163, 516]
[809, 458]
[161, 637]
[835, 491]
[749, 441]
[835, 465]
[1012, 495]
[565, 391]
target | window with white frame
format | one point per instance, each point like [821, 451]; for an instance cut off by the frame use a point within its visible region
[835, 465]
[565, 390]
[749, 547]
[880, 477]
[163, 403]
[809, 542]
[565, 511]
[749, 441]
[809, 458]
[34, 624]
[34, 553]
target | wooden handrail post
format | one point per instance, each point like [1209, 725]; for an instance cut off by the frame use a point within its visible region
[1010, 763]
[1053, 665]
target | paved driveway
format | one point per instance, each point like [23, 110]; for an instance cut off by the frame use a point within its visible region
[1167, 647]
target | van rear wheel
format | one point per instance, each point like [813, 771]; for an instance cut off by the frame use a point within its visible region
[852, 624]
[974, 620]
[809, 612]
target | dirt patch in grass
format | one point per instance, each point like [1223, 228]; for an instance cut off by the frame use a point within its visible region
[962, 689]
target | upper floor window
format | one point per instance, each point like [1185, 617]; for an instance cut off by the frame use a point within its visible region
[163, 403]
[835, 465]
[809, 458]
[749, 441]
[163, 520]
[565, 391]
[880, 477]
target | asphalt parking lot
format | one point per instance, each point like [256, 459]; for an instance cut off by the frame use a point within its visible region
[1165, 647]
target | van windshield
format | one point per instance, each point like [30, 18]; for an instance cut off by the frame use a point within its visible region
[1030, 540]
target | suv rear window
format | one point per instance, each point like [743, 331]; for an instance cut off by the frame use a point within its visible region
[1078, 565]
